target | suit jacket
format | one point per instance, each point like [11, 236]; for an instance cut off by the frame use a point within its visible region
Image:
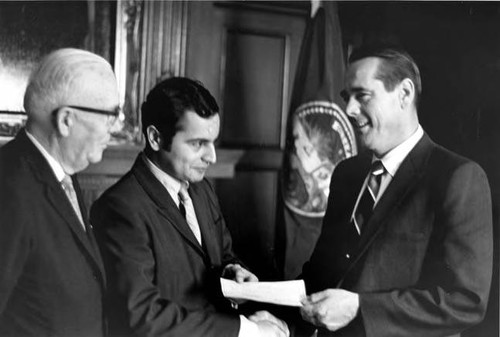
[161, 281]
[422, 265]
[51, 274]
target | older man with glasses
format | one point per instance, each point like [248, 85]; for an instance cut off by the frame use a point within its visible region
[51, 274]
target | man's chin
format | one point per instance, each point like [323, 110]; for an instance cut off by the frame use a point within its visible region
[196, 178]
[96, 158]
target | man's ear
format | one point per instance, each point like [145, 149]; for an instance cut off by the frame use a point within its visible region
[154, 138]
[63, 121]
[407, 93]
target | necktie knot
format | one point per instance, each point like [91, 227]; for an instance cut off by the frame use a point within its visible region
[377, 172]
[369, 196]
[67, 183]
[377, 168]
[183, 193]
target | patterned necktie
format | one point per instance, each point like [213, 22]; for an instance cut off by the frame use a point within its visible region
[67, 185]
[187, 210]
[367, 201]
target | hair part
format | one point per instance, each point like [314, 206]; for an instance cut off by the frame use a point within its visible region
[167, 102]
[395, 66]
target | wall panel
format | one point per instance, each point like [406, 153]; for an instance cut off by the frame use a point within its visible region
[253, 88]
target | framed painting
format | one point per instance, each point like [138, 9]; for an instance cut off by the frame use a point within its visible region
[31, 29]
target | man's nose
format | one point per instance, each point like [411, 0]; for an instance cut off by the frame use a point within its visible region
[209, 155]
[352, 107]
[116, 123]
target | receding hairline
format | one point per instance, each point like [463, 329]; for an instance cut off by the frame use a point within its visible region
[53, 79]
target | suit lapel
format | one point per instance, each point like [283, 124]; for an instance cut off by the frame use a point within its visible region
[202, 209]
[88, 226]
[406, 179]
[166, 206]
[54, 193]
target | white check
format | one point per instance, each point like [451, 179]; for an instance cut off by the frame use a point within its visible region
[287, 293]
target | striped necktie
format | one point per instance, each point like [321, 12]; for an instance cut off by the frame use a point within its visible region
[367, 201]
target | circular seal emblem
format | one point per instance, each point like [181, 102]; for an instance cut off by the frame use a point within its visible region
[322, 137]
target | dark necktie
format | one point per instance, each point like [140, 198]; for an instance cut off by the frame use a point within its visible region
[367, 201]
[187, 210]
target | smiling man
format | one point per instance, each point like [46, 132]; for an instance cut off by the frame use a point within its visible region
[162, 233]
[406, 245]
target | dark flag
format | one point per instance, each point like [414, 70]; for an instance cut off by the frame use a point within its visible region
[319, 136]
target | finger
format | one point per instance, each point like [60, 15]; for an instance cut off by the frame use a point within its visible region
[282, 327]
[239, 276]
[251, 277]
[260, 316]
[319, 296]
[307, 314]
[237, 273]
[315, 314]
[228, 271]
[243, 275]
[305, 301]
[267, 328]
[257, 316]
[287, 331]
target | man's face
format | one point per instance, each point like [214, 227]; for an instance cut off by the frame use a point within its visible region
[90, 133]
[192, 149]
[375, 113]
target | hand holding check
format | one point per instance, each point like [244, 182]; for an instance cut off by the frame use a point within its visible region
[331, 308]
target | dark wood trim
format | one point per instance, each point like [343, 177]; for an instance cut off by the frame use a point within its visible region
[297, 8]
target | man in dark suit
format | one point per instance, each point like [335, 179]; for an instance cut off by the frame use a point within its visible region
[161, 231]
[51, 274]
[406, 246]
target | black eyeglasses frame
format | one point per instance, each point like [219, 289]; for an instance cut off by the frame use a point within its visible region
[114, 113]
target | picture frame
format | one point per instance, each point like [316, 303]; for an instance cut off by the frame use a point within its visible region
[31, 29]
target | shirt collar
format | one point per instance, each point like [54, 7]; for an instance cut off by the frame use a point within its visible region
[171, 184]
[393, 159]
[53, 163]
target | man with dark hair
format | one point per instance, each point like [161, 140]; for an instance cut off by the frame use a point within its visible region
[51, 274]
[161, 231]
[406, 243]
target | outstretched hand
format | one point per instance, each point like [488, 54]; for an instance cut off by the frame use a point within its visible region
[331, 308]
[239, 274]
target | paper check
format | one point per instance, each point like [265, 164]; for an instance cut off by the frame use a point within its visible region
[287, 293]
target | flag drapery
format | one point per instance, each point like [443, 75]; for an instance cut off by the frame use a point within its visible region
[319, 135]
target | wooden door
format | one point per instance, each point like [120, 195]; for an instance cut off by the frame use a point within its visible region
[246, 55]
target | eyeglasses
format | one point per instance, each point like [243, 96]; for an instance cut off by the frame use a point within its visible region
[113, 115]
